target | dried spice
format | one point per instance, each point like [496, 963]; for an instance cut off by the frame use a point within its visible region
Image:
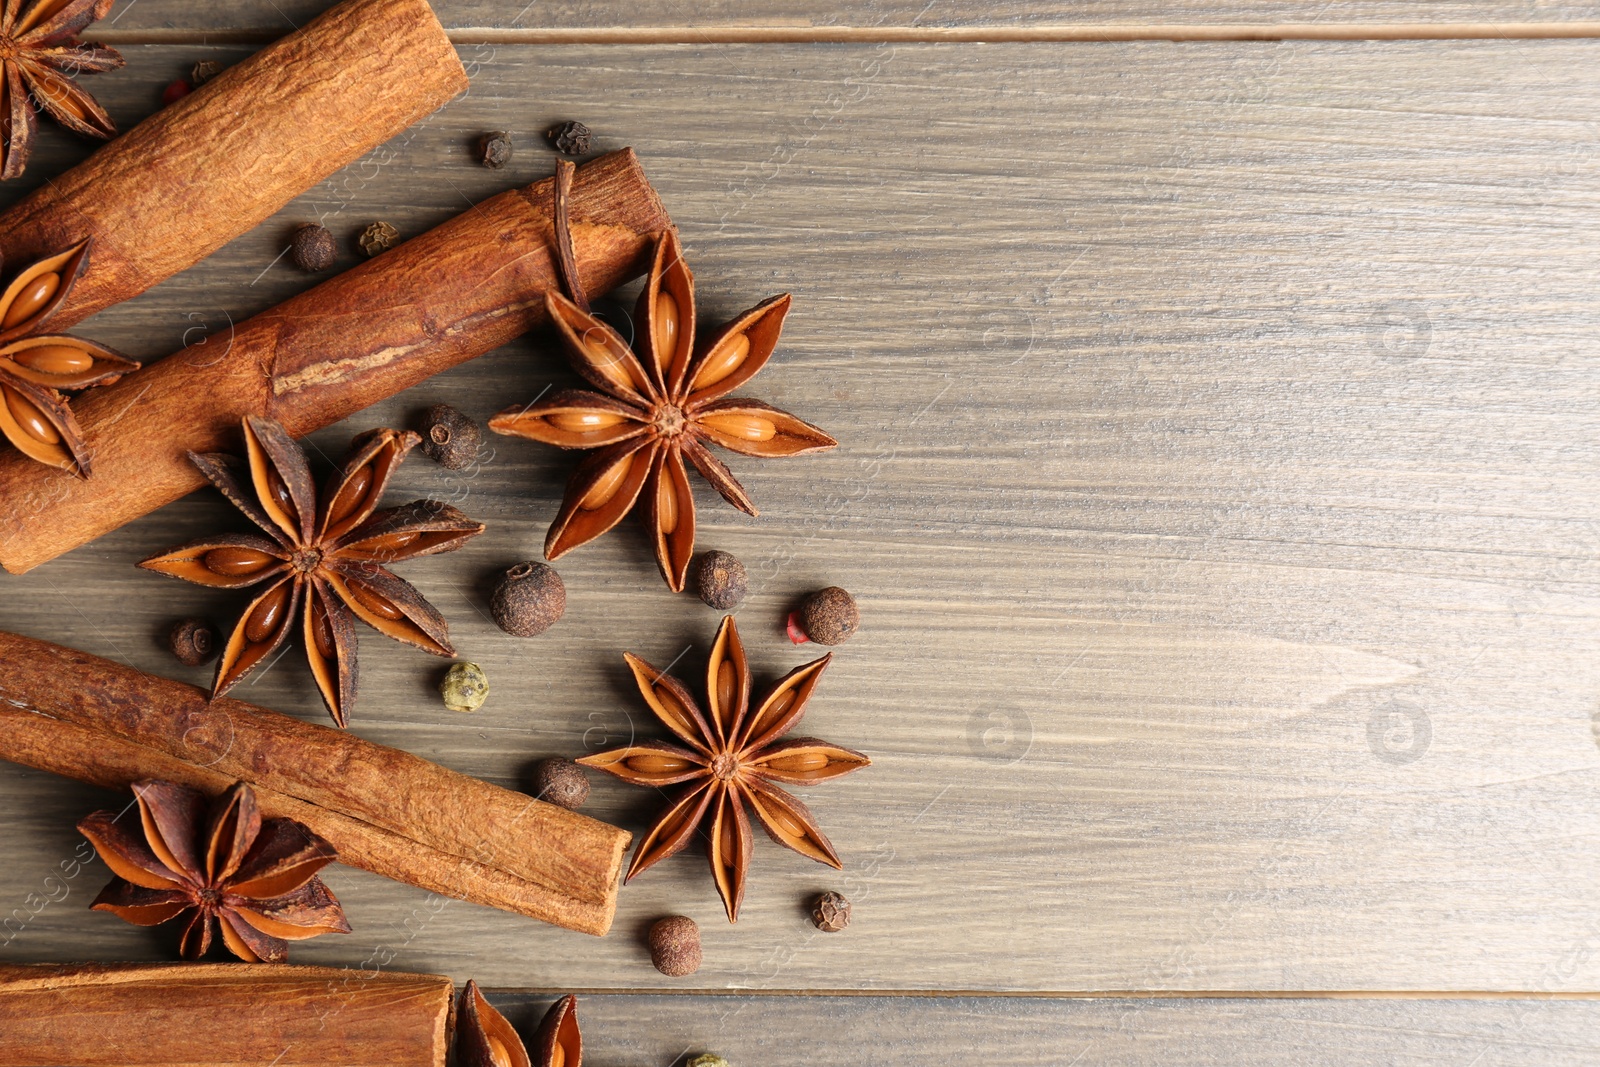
[655, 408]
[561, 782]
[675, 946]
[828, 617]
[734, 758]
[570, 138]
[830, 912]
[176, 90]
[528, 599]
[39, 48]
[450, 438]
[707, 1059]
[36, 366]
[323, 562]
[311, 248]
[720, 580]
[204, 71]
[220, 863]
[464, 687]
[494, 149]
[485, 1039]
[193, 641]
[378, 237]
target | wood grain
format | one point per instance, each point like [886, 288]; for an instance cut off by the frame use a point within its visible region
[1217, 478]
[1014, 1032]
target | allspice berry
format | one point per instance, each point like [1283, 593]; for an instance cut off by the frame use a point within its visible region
[378, 237]
[449, 438]
[465, 687]
[193, 641]
[494, 149]
[830, 912]
[312, 247]
[829, 616]
[675, 946]
[561, 782]
[528, 599]
[570, 138]
[720, 580]
[204, 71]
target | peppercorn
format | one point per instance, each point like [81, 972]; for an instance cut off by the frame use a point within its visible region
[175, 91]
[494, 149]
[528, 599]
[570, 138]
[675, 946]
[830, 912]
[560, 781]
[193, 641]
[378, 237]
[827, 617]
[449, 438]
[311, 248]
[720, 580]
[204, 71]
[465, 687]
[706, 1059]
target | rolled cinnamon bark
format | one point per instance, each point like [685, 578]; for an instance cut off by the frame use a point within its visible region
[198, 173]
[463, 288]
[101, 722]
[240, 1014]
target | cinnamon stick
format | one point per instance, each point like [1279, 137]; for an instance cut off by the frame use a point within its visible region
[440, 299]
[178, 1015]
[383, 809]
[205, 169]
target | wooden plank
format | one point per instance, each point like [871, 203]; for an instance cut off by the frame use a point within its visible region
[797, 1031]
[1217, 476]
[787, 16]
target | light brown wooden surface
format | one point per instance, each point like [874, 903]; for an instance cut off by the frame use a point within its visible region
[1218, 446]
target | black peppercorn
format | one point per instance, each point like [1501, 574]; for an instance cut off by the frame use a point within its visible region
[528, 599]
[378, 237]
[494, 149]
[570, 138]
[312, 247]
[560, 781]
[675, 946]
[830, 912]
[828, 616]
[193, 641]
[449, 438]
[720, 580]
[204, 71]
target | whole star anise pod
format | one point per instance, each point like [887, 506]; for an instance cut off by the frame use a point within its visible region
[35, 366]
[323, 563]
[485, 1039]
[39, 48]
[220, 863]
[655, 409]
[734, 758]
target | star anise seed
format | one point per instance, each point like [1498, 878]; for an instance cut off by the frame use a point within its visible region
[36, 366]
[219, 863]
[656, 408]
[485, 1039]
[39, 48]
[733, 760]
[322, 561]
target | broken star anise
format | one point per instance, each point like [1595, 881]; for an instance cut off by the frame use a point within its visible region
[222, 864]
[35, 366]
[655, 409]
[485, 1039]
[39, 48]
[734, 758]
[322, 563]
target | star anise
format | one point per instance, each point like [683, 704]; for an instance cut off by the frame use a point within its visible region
[485, 1039]
[655, 409]
[221, 864]
[35, 366]
[734, 758]
[39, 48]
[322, 563]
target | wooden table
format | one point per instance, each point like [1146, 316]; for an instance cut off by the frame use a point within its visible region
[1219, 435]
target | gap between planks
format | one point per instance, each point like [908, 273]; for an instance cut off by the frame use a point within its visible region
[1094, 994]
[1103, 34]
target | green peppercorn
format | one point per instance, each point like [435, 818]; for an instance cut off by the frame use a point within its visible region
[465, 687]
